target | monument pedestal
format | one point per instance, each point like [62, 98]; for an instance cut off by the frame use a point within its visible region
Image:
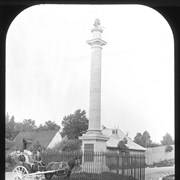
[93, 146]
[97, 139]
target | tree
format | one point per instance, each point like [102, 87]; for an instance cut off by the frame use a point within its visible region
[12, 120]
[146, 141]
[69, 145]
[167, 140]
[28, 125]
[10, 134]
[18, 126]
[8, 144]
[137, 139]
[122, 146]
[41, 128]
[51, 125]
[74, 125]
[13, 128]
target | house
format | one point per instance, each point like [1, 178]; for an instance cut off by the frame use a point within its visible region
[115, 135]
[26, 140]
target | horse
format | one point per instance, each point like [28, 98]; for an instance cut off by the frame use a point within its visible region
[63, 169]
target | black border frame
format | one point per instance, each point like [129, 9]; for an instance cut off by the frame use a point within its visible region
[170, 9]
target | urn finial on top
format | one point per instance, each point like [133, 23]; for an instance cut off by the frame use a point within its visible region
[97, 23]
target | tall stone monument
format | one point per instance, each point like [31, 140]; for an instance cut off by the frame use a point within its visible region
[94, 140]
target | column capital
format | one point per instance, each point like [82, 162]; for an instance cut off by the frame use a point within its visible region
[97, 29]
[96, 41]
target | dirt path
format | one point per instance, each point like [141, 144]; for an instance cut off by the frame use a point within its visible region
[9, 176]
[151, 173]
[158, 173]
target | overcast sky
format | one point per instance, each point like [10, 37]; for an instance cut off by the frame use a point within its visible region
[48, 66]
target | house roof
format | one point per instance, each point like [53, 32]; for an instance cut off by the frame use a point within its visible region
[44, 138]
[118, 136]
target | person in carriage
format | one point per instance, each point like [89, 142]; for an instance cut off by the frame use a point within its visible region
[21, 157]
[37, 161]
[24, 161]
[30, 163]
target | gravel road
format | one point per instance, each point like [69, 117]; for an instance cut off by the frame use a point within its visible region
[158, 173]
[150, 173]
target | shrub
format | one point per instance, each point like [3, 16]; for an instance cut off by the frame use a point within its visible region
[169, 177]
[10, 163]
[169, 148]
[165, 163]
[68, 145]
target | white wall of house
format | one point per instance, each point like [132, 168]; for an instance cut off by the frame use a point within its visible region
[132, 152]
[158, 154]
[57, 139]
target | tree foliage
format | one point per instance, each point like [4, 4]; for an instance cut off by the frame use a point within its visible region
[168, 148]
[10, 128]
[167, 140]
[49, 125]
[13, 128]
[8, 144]
[69, 145]
[144, 139]
[26, 125]
[29, 125]
[137, 139]
[74, 125]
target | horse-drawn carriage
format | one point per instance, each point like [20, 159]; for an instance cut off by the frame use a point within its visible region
[37, 170]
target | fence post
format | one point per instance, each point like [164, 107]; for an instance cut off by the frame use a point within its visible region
[131, 164]
[140, 167]
[143, 168]
[134, 166]
[117, 164]
[123, 158]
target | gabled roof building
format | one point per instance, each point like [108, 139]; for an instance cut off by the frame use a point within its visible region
[26, 140]
[115, 135]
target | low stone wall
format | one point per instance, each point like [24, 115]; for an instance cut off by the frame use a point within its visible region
[158, 154]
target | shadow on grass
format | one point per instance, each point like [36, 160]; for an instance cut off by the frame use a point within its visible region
[95, 176]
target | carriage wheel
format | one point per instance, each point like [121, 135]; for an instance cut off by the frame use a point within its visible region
[20, 172]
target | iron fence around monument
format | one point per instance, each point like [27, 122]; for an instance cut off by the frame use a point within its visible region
[93, 163]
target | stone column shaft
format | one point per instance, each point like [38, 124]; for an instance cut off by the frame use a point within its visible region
[95, 81]
[95, 90]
